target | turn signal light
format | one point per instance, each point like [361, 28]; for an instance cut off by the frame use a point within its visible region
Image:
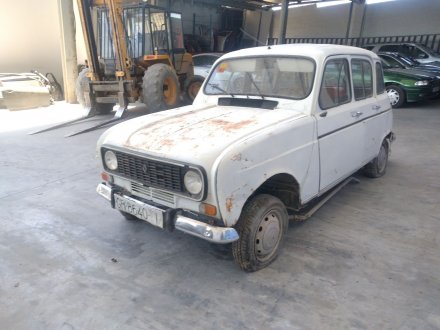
[106, 177]
[208, 209]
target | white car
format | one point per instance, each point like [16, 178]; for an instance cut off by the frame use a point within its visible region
[273, 131]
[204, 62]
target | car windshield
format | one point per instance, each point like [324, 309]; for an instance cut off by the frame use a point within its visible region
[268, 76]
[409, 61]
[429, 51]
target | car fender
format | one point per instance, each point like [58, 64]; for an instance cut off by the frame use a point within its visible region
[287, 148]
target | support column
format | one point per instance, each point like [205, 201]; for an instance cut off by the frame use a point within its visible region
[69, 59]
[283, 22]
[356, 19]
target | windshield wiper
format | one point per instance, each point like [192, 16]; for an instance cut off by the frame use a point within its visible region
[256, 87]
[220, 89]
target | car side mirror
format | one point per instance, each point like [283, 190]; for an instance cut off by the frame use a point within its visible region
[422, 55]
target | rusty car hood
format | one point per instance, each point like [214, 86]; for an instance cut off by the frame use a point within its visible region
[192, 134]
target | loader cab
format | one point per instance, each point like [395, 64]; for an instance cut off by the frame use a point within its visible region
[149, 31]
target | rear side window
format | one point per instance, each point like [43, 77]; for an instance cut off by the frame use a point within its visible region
[389, 48]
[380, 85]
[335, 87]
[362, 75]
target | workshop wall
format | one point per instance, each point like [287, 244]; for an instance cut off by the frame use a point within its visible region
[30, 37]
[399, 17]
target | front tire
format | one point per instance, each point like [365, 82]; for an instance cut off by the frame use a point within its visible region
[160, 88]
[81, 85]
[261, 228]
[378, 166]
[396, 95]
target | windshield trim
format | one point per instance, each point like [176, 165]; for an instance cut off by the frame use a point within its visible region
[264, 56]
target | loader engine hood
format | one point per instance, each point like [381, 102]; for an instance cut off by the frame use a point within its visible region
[192, 135]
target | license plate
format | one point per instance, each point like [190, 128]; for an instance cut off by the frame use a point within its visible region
[436, 89]
[140, 210]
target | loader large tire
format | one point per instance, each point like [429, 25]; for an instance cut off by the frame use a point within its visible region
[81, 86]
[160, 88]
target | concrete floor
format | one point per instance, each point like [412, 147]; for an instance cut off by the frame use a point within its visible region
[369, 259]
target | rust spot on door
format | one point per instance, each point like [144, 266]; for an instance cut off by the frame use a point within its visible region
[236, 157]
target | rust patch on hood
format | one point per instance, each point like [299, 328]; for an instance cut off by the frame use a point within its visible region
[167, 142]
[231, 126]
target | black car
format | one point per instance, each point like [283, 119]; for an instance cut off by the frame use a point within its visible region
[396, 60]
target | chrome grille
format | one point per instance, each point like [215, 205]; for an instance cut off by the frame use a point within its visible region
[152, 193]
[151, 173]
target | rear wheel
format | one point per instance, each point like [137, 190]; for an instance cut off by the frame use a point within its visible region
[378, 166]
[192, 87]
[261, 228]
[81, 86]
[160, 88]
[396, 95]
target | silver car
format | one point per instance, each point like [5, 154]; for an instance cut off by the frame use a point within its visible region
[419, 52]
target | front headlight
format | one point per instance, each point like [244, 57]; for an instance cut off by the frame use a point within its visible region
[421, 83]
[110, 160]
[193, 182]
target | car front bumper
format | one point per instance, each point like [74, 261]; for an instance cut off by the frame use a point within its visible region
[414, 94]
[172, 219]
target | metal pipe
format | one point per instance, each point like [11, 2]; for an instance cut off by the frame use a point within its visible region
[283, 22]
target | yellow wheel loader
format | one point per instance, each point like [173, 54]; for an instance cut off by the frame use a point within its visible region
[135, 52]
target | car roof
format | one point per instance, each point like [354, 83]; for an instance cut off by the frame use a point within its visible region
[316, 51]
[208, 54]
[392, 44]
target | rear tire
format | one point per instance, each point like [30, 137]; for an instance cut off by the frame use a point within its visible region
[81, 85]
[261, 228]
[378, 166]
[396, 95]
[160, 88]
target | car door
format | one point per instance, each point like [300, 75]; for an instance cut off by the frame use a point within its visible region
[340, 133]
[377, 114]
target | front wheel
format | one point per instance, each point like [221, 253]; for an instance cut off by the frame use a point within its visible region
[261, 228]
[81, 86]
[378, 166]
[396, 95]
[192, 87]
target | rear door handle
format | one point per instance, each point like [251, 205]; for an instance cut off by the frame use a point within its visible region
[376, 107]
[356, 114]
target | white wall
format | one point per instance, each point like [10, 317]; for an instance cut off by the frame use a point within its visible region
[402, 17]
[399, 17]
[309, 21]
[30, 37]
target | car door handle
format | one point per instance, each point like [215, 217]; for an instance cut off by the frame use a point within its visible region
[376, 107]
[356, 114]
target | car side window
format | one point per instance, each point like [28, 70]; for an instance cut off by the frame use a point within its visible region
[335, 86]
[362, 75]
[416, 52]
[389, 48]
[380, 85]
[210, 60]
[393, 62]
